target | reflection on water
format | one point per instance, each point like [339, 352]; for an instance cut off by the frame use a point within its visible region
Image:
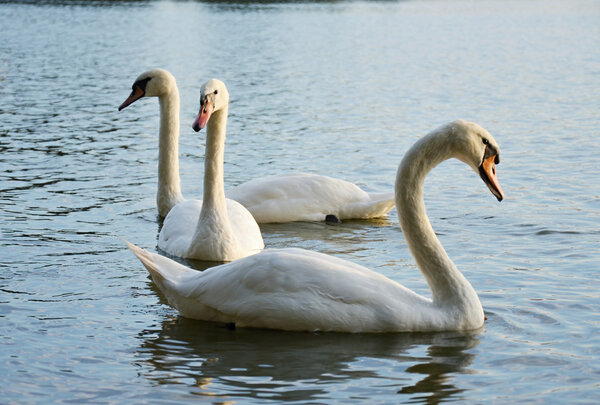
[285, 366]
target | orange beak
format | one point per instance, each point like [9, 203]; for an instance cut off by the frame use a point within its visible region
[136, 94]
[487, 171]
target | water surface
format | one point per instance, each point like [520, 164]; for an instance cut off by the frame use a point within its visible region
[337, 88]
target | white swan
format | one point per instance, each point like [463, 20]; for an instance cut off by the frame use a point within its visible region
[160, 83]
[294, 289]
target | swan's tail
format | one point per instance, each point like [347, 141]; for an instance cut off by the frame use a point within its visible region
[179, 284]
[381, 197]
[145, 257]
[384, 202]
[377, 206]
[161, 268]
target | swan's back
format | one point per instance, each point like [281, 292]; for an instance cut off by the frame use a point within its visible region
[292, 289]
[307, 197]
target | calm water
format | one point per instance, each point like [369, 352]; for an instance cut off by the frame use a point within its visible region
[340, 88]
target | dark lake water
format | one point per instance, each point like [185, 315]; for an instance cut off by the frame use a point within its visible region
[339, 88]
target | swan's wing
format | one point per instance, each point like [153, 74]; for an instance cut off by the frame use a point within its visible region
[244, 226]
[299, 197]
[179, 227]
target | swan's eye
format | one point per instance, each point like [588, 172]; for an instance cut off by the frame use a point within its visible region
[141, 84]
[216, 92]
[485, 141]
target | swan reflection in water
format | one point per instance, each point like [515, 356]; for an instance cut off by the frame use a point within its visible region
[213, 360]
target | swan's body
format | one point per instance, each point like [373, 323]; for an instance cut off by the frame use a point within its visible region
[294, 289]
[213, 228]
[160, 83]
[308, 197]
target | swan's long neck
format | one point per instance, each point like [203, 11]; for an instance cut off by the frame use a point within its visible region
[448, 286]
[213, 203]
[169, 188]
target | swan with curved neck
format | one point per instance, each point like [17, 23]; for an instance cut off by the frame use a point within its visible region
[300, 290]
[160, 83]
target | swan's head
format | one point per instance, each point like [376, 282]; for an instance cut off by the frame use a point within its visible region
[213, 97]
[153, 83]
[475, 146]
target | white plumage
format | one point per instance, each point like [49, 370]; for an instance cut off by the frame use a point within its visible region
[308, 197]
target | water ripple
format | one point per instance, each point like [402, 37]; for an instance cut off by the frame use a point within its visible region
[338, 88]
